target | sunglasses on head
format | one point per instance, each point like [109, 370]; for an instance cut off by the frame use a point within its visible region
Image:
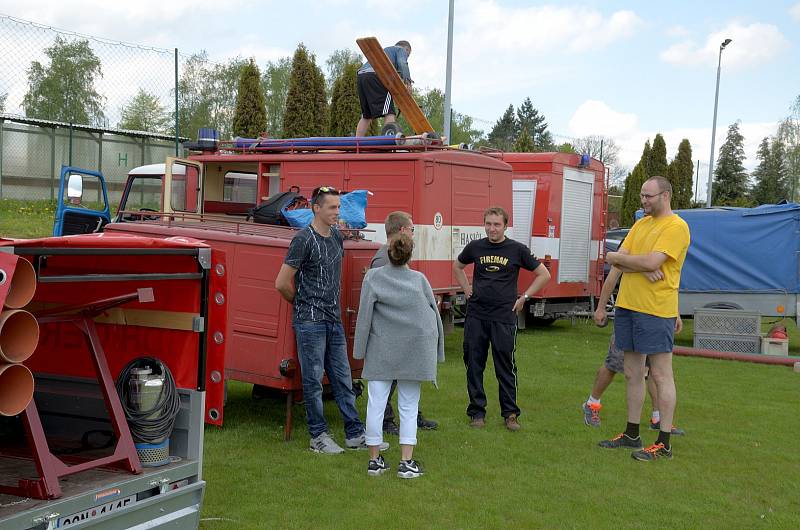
[323, 190]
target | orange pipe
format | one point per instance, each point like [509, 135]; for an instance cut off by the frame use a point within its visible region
[16, 389]
[19, 335]
[23, 285]
[733, 356]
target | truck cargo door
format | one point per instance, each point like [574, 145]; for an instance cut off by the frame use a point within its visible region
[524, 202]
[183, 186]
[576, 226]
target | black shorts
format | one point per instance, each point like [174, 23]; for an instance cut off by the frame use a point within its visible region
[375, 100]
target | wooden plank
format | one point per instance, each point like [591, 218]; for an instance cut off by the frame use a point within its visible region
[390, 79]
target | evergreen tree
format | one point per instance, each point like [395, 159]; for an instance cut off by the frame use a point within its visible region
[300, 116]
[633, 187]
[275, 84]
[566, 147]
[679, 174]
[345, 107]
[3, 102]
[657, 161]
[250, 118]
[530, 120]
[771, 175]
[764, 186]
[64, 89]
[730, 178]
[145, 113]
[524, 143]
[321, 109]
[503, 133]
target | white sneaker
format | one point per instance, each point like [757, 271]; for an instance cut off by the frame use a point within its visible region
[377, 467]
[324, 444]
[360, 442]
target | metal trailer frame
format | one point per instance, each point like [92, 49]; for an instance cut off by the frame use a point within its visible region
[768, 304]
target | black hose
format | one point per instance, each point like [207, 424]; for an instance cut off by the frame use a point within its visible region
[143, 428]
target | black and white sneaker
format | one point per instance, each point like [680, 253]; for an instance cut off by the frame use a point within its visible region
[377, 467]
[409, 469]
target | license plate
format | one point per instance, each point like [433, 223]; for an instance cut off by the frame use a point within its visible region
[96, 512]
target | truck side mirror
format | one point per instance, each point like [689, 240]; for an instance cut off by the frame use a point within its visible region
[75, 188]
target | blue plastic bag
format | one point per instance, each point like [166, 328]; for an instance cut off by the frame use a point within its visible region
[299, 218]
[352, 212]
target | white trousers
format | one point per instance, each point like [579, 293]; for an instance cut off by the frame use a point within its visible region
[407, 406]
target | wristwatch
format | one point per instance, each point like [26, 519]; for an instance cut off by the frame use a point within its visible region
[525, 295]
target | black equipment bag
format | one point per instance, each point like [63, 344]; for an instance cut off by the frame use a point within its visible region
[269, 212]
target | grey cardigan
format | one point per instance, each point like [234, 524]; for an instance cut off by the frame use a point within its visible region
[399, 331]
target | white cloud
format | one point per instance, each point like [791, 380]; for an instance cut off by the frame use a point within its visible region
[752, 44]
[677, 32]
[530, 31]
[594, 117]
[794, 11]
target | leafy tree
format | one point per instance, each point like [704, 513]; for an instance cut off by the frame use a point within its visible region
[461, 127]
[503, 133]
[789, 133]
[606, 150]
[207, 95]
[633, 187]
[145, 112]
[730, 177]
[250, 119]
[345, 107]
[305, 102]
[531, 121]
[680, 175]
[3, 102]
[336, 64]
[64, 89]
[275, 83]
[524, 143]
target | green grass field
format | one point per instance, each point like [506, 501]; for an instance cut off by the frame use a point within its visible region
[736, 468]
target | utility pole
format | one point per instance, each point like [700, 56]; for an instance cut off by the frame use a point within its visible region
[714, 126]
[449, 74]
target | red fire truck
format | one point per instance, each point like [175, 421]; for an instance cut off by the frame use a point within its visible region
[206, 197]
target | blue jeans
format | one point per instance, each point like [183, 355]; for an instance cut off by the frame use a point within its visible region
[321, 346]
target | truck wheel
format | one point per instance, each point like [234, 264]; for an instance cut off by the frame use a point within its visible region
[541, 322]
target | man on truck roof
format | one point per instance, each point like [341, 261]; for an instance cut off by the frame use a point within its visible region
[376, 101]
[314, 261]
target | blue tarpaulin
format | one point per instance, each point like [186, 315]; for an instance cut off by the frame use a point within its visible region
[743, 249]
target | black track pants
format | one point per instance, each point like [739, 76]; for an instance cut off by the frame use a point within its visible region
[478, 335]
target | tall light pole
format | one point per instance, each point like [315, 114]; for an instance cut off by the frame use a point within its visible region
[714, 126]
[449, 74]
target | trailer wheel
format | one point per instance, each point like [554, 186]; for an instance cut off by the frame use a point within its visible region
[722, 305]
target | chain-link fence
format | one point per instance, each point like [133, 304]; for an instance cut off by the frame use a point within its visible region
[70, 99]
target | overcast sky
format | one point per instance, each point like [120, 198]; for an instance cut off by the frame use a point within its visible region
[619, 68]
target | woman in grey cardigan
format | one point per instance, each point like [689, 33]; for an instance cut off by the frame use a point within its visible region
[400, 337]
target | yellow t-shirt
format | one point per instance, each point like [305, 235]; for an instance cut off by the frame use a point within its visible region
[670, 236]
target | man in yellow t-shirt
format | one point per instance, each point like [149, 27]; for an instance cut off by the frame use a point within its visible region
[650, 260]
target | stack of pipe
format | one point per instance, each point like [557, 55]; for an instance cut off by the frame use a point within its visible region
[19, 334]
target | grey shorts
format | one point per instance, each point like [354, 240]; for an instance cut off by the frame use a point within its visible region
[615, 358]
[643, 333]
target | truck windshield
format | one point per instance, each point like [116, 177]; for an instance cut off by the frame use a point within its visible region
[144, 193]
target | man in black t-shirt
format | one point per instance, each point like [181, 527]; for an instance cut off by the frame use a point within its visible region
[492, 307]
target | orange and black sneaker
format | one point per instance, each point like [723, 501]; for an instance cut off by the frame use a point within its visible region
[654, 452]
[622, 440]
